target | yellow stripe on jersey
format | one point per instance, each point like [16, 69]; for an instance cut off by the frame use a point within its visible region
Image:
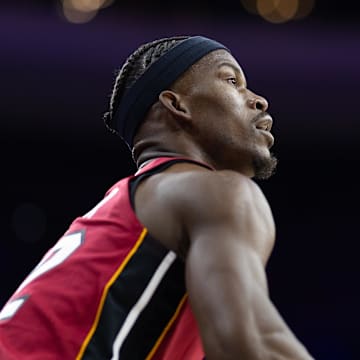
[105, 292]
[166, 329]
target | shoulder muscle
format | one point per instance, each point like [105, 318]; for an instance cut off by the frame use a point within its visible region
[226, 201]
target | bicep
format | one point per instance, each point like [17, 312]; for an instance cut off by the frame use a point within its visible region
[228, 294]
[224, 277]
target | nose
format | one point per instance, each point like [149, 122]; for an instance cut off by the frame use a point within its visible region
[257, 102]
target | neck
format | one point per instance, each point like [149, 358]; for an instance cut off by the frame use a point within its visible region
[145, 158]
[144, 152]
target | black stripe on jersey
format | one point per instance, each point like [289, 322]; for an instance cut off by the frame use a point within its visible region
[124, 294]
[157, 314]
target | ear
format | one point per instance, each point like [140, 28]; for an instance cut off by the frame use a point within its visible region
[175, 104]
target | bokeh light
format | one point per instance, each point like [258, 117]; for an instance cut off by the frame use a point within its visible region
[82, 11]
[279, 11]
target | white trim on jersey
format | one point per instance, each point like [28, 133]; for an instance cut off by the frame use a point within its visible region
[11, 308]
[142, 303]
[108, 197]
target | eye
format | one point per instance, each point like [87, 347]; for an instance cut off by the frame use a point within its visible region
[232, 80]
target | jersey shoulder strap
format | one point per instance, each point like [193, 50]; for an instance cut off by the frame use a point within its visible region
[156, 166]
[167, 161]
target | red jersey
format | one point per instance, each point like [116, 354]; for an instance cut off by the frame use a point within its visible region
[105, 290]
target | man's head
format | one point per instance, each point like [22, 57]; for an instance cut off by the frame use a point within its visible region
[197, 86]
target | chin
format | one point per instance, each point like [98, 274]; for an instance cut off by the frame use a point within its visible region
[264, 166]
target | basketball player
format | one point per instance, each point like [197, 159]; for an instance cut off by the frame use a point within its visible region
[171, 263]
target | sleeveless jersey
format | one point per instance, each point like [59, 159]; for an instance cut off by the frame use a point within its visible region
[105, 290]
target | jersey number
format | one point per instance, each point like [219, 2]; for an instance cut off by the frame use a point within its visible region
[54, 257]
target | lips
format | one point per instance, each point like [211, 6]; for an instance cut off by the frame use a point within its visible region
[264, 124]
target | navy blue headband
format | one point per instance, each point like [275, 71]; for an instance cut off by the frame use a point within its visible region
[138, 99]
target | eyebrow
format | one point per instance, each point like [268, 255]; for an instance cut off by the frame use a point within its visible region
[234, 67]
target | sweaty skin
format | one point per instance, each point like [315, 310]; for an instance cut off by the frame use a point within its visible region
[218, 221]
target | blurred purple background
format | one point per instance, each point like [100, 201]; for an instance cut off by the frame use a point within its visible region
[58, 159]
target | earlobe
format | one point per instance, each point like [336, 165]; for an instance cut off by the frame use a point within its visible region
[174, 103]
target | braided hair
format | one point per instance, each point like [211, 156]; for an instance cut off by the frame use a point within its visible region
[134, 66]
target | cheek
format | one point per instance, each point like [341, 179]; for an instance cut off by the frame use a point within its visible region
[220, 105]
[232, 106]
[221, 109]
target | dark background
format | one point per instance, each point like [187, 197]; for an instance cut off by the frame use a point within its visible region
[57, 159]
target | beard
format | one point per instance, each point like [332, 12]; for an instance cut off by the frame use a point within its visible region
[264, 167]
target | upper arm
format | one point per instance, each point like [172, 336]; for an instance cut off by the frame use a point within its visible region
[230, 240]
[224, 278]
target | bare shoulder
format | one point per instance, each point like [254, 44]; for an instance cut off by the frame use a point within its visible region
[210, 192]
[188, 199]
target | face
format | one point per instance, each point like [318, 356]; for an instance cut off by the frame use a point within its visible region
[230, 122]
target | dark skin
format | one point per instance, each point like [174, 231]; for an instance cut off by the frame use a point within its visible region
[218, 221]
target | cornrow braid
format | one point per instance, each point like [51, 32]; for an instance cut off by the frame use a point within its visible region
[134, 66]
